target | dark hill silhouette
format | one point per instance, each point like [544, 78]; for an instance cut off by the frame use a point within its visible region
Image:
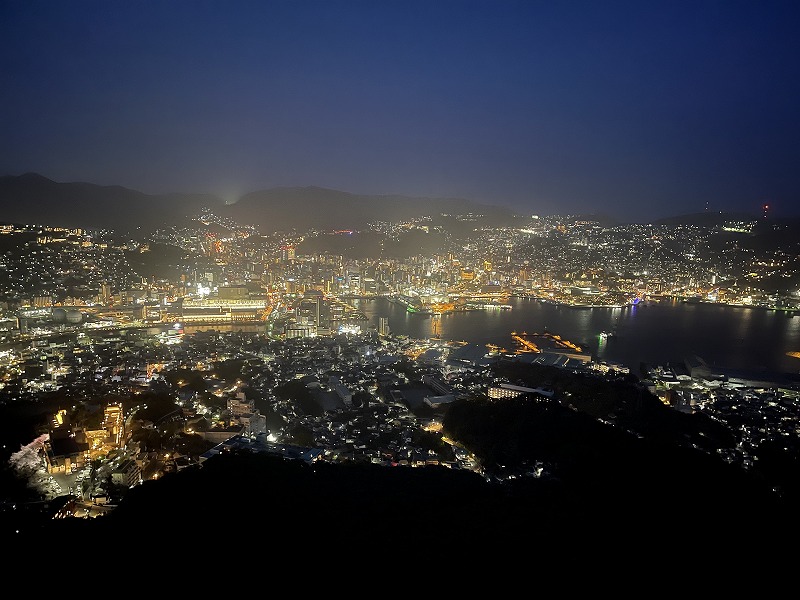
[611, 485]
[767, 235]
[285, 208]
[604, 489]
[366, 244]
[775, 235]
[36, 200]
[705, 219]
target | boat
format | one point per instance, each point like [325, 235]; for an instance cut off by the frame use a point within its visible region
[413, 305]
[608, 333]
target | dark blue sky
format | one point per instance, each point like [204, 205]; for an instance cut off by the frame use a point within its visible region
[635, 110]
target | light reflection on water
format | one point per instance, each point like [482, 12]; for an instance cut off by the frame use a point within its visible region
[656, 333]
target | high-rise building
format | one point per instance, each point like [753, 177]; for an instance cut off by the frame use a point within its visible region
[309, 308]
[370, 286]
[287, 253]
[105, 292]
[383, 326]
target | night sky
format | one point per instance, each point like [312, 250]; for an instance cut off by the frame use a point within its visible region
[634, 110]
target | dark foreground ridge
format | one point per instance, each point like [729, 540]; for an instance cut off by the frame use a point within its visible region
[556, 475]
[293, 505]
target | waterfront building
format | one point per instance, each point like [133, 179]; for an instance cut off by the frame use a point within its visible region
[221, 310]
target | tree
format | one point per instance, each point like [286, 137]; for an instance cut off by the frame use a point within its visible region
[301, 435]
[190, 444]
[149, 440]
[361, 399]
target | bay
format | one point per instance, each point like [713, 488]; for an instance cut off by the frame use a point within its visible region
[654, 333]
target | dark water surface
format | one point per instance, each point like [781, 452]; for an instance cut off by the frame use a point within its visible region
[655, 333]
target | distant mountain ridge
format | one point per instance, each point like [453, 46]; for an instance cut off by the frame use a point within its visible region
[34, 199]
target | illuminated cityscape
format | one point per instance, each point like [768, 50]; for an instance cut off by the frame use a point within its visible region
[159, 374]
[324, 278]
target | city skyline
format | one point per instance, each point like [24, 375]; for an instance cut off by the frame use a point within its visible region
[636, 110]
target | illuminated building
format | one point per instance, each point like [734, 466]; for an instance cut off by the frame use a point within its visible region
[127, 474]
[298, 330]
[506, 390]
[287, 253]
[233, 292]
[383, 326]
[219, 310]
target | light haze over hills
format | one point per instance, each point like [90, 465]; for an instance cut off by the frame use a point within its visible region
[32, 198]
[35, 199]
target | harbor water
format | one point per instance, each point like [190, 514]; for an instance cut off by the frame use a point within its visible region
[655, 333]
